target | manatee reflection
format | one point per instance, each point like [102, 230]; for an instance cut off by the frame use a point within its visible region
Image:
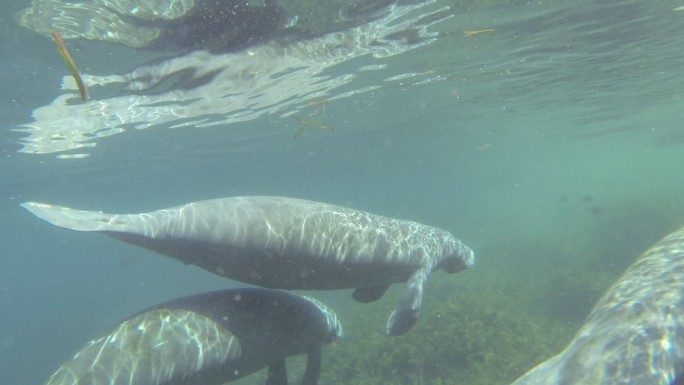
[203, 88]
[216, 26]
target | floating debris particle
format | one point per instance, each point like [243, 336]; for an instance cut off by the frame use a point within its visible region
[478, 32]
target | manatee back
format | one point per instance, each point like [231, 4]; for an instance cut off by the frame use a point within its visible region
[635, 333]
[157, 347]
[265, 321]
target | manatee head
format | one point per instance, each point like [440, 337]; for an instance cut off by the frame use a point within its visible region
[333, 325]
[461, 258]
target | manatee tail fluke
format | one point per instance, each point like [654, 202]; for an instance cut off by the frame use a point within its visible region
[77, 219]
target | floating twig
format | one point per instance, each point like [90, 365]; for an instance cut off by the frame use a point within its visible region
[313, 122]
[478, 32]
[315, 102]
[61, 47]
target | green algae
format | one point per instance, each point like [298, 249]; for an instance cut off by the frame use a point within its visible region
[476, 336]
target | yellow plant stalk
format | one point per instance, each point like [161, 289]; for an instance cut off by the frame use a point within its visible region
[474, 33]
[61, 47]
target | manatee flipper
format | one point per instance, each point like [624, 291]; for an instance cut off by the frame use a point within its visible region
[277, 373]
[313, 366]
[154, 347]
[369, 294]
[405, 315]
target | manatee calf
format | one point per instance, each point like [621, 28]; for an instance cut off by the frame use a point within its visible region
[635, 333]
[285, 243]
[208, 339]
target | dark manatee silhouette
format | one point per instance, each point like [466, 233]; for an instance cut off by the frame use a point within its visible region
[208, 339]
[212, 25]
[286, 243]
[635, 333]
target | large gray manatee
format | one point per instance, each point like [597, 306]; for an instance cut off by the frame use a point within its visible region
[285, 243]
[635, 333]
[208, 339]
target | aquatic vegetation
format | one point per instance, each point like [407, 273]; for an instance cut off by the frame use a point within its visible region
[477, 32]
[61, 47]
[314, 121]
[475, 336]
[570, 293]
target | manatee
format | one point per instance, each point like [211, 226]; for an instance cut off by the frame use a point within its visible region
[635, 333]
[209, 339]
[286, 243]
